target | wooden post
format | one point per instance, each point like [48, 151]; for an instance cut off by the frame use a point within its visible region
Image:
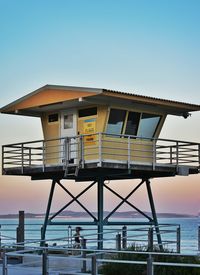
[45, 261]
[150, 239]
[118, 241]
[94, 265]
[0, 237]
[178, 244]
[124, 237]
[150, 270]
[20, 229]
[69, 236]
[4, 263]
[83, 246]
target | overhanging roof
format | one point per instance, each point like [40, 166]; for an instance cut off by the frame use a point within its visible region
[56, 97]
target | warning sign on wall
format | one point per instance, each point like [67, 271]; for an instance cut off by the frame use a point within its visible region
[89, 128]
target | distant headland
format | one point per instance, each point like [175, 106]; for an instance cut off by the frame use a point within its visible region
[74, 214]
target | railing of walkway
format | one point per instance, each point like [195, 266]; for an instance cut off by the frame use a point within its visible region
[100, 147]
[60, 260]
[113, 238]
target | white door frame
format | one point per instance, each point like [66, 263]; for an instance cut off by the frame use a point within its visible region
[69, 130]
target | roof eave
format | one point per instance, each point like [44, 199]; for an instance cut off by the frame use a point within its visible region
[50, 87]
[176, 106]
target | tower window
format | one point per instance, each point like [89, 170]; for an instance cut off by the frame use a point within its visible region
[148, 125]
[87, 112]
[53, 118]
[116, 121]
[132, 123]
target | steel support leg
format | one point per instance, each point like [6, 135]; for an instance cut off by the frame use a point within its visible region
[153, 211]
[43, 233]
[100, 212]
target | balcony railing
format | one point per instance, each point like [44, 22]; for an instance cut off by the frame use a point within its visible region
[98, 148]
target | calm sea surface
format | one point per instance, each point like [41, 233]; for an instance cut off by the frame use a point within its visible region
[189, 232]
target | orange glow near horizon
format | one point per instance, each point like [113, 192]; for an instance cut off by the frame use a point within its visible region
[171, 195]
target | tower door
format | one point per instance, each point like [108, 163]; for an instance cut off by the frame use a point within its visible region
[69, 130]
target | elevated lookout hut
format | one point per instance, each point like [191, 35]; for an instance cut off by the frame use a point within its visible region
[96, 135]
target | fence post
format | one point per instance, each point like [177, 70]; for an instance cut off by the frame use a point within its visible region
[178, 241]
[124, 237]
[41, 230]
[43, 156]
[69, 236]
[0, 237]
[171, 155]
[177, 155]
[150, 239]
[83, 246]
[94, 265]
[82, 151]
[22, 159]
[4, 265]
[20, 229]
[100, 149]
[29, 156]
[118, 241]
[199, 153]
[2, 158]
[199, 238]
[45, 262]
[67, 151]
[150, 270]
[129, 152]
[154, 154]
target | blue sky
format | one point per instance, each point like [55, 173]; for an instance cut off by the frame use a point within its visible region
[147, 47]
[151, 47]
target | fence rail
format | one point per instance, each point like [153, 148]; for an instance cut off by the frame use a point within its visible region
[116, 236]
[62, 257]
[100, 147]
[61, 260]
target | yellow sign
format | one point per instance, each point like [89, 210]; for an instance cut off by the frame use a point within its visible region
[89, 128]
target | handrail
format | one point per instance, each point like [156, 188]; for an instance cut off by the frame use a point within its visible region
[95, 257]
[107, 134]
[89, 233]
[125, 148]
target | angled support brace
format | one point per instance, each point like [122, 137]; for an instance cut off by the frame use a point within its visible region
[125, 200]
[43, 233]
[153, 210]
[75, 198]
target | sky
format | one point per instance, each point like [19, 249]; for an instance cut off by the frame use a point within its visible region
[140, 46]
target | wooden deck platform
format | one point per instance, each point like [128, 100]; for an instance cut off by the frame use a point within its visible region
[108, 170]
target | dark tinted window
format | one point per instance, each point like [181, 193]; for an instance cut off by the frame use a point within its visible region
[87, 112]
[148, 125]
[132, 123]
[52, 118]
[116, 121]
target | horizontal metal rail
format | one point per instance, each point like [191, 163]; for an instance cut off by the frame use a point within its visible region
[96, 258]
[137, 236]
[100, 147]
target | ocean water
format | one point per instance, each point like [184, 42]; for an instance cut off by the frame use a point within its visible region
[137, 235]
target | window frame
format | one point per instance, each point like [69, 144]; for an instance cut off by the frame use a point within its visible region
[123, 123]
[128, 112]
[138, 126]
[156, 128]
[54, 120]
[87, 108]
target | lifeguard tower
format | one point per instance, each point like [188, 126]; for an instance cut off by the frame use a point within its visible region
[98, 135]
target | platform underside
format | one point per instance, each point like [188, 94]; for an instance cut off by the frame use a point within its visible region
[107, 170]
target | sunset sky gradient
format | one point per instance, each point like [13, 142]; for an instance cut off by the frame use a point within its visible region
[147, 47]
